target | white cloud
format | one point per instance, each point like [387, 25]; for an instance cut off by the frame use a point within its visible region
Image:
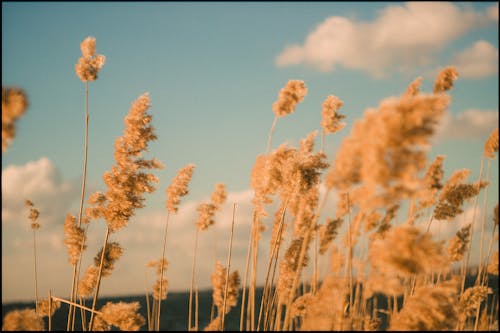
[40, 182]
[400, 39]
[478, 61]
[470, 124]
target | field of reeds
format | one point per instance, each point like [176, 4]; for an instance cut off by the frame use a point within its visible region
[388, 271]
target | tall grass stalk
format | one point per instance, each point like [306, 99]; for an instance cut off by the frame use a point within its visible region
[148, 310]
[469, 247]
[76, 271]
[161, 272]
[271, 131]
[192, 281]
[228, 269]
[35, 270]
[483, 222]
[96, 294]
[245, 276]
[50, 312]
[272, 257]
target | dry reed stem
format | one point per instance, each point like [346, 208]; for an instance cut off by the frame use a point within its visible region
[148, 310]
[228, 268]
[472, 228]
[192, 280]
[245, 276]
[273, 255]
[161, 272]
[99, 278]
[50, 311]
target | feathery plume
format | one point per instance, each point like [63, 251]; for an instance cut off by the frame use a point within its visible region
[430, 308]
[206, 211]
[288, 267]
[88, 282]
[219, 195]
[164, 282]
[325, 311]
[123, 315]
[43, 307]
[445, 80]
[90, 63]
[75, 238]
[327, 233]
[113, 252]
[432, 183]
[406, 251]
[300, 305]
[414, 87]
[386, 150]
[493, 265]
[23, 320]
[471, 299]
[452, 198]
[458, 244]
[491, 144]
[289, 97]
[218, 279]
[14, 104]
[34, 213]
[330, 122]
[179, 187]
[126, 181]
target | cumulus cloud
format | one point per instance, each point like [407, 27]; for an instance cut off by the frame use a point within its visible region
[41, 182]
[470, 124]
[478, 61]
[400, 39]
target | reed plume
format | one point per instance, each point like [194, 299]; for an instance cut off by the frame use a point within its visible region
[90, 63]
[23, 320]
[406, 251]
[327, 233]
[471, 299]
[75, 239]
[127, 181]
[445, 79]
[14, 105]
[491, 145]
[458, 244]
[123, 315]
[33, 216]
[179, 187]
[43, 307]
[289, 96]
[218, 279]
[430, 308]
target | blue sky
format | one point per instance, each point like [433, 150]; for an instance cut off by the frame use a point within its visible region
[213, 71]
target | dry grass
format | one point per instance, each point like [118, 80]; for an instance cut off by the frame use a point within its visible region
[389, 197]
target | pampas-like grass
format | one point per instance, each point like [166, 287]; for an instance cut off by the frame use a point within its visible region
[14, 105]
[23, 320]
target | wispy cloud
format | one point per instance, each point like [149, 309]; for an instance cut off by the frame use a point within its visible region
[470, 124]
[41, 182]
[478, 61]
[400, 39]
